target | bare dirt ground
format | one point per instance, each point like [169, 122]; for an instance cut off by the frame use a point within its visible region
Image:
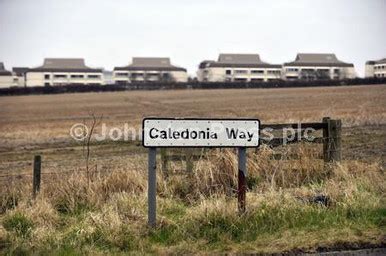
[40, 124]
[29, 120]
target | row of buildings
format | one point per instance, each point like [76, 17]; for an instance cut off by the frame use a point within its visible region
[227, 68]
[250, 68]
[62, 71]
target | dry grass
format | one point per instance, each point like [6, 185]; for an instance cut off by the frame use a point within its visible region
[197, 212]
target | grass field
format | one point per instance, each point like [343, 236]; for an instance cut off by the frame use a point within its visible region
[33, 120]
[106, 212]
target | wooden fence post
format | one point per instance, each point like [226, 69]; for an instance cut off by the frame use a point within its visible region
[335, 130]
[326, 139]
[332, 140]
[36, 177]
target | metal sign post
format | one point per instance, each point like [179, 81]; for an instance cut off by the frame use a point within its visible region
[242, 184]
[193, 132]
[152, 187]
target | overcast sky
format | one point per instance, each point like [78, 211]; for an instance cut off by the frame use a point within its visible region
[109, 33]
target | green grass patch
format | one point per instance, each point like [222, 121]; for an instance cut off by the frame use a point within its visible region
[268, 220]
[192, 229]
[19, 224]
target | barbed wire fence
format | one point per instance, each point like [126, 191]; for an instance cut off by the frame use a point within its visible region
[330, 139]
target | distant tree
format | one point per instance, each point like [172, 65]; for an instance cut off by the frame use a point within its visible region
[166, 77]
[322, 74]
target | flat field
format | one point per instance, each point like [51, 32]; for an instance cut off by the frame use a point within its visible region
[42, 123]
[106, 212]
[32, 120]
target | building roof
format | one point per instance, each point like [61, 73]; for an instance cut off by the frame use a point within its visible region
[3, 71]
[20, 70]
[153, 63]
[373, 62]
[205, 63]
[240, 61]
[239, 58]
[317, 59]
[64, 65]
[381, 61]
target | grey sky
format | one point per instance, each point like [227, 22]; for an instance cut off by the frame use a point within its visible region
[109, 33]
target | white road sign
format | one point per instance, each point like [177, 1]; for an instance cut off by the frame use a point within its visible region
[169, 132]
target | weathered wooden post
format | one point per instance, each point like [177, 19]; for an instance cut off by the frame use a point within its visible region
[332, 140]
[36, 177]
[335, 130]
[326, 139]
[242, 183]
[152, 187]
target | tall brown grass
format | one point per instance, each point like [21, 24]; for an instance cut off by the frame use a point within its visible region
[110, 213]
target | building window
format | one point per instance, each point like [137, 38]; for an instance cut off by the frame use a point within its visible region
[257, 71]
[46, 84]
[274, 72]
[47, 76]
[121, 74]
[228, 72]
[77, 76]
[60, 76]
[93, 76]
[241, 71]
[292, 70]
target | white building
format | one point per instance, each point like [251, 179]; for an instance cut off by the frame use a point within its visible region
[238, 68]
[6, 78]
[375, 68]
[19, 76]
[64, 71]
[149, 70]
[317, 66]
